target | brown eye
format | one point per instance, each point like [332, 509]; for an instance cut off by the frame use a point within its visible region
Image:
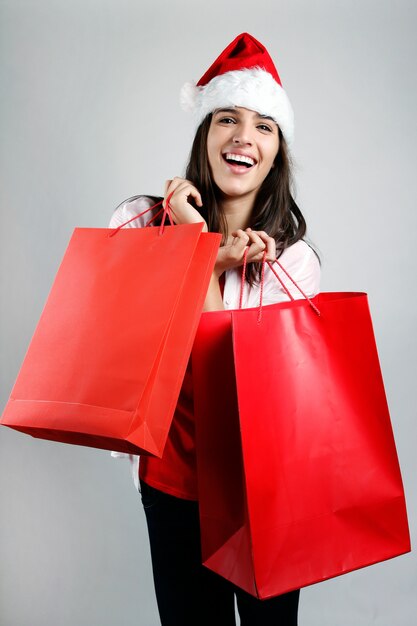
[265, 127]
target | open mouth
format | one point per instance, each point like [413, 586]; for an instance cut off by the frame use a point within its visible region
[239, 159]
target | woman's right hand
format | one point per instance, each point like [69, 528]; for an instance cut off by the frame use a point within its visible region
[232, 253]
[182, 211]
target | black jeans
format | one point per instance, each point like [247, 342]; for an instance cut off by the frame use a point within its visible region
[189, 594]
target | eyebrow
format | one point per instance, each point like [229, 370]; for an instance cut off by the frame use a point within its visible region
[236, 112]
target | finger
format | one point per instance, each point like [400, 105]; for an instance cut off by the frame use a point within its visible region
[271, 249]
[166, 187]
[255, 238]
[240, 233]
[240, 238]
[270, 244]
[188, 190]
[256, 244]
[172, 184]
[239, 246]
[230, 240]
[167, 190]
[181, 189]
[257, 258]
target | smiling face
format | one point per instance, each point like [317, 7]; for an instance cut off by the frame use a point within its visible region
[241, 148]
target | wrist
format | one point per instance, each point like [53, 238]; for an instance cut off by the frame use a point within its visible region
[217, 273]
[199, 220]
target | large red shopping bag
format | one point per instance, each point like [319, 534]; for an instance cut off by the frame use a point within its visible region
[107, 360]
[298, 473]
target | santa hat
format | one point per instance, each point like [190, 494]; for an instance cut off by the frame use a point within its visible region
[243, 75]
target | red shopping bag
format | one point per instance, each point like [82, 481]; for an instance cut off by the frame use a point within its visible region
[298, 473]
[107, 360]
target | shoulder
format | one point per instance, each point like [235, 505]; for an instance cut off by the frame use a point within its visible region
[130, 208]
[299, 256]
[301, 264]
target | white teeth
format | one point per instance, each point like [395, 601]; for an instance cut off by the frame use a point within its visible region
[229, 156]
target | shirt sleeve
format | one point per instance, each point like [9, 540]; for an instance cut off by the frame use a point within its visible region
[134, 465]
[129, 209]
[302, 264]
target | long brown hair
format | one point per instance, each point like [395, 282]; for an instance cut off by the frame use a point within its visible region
[275, 210]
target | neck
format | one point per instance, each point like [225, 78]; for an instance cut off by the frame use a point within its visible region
[237, 212]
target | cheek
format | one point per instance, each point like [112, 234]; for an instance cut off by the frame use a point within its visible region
[211, 150]
[272, 154]
[214, 157]
[209, 155]
[213, 142]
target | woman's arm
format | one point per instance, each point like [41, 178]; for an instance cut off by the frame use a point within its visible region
[214, 299]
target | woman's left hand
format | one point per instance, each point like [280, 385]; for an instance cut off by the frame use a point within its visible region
[260, 243]
[255, 243]
[182, 210]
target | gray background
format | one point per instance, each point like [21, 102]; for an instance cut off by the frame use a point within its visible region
[89, 116]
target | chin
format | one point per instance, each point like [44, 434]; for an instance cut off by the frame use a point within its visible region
[235, 190]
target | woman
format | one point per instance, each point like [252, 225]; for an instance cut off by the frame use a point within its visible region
[238, 183]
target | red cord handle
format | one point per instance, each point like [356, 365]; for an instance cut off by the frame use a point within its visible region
[242, 282]
[312, 305]
[262, 283]
[243, 276]
[166, 211]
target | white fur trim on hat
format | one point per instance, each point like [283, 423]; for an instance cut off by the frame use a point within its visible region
[253, 89]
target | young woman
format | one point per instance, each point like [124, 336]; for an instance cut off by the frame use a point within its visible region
[238, 182]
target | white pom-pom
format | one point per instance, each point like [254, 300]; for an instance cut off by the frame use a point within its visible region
[188, 96]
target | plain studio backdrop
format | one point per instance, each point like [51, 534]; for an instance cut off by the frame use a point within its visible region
[89, 117]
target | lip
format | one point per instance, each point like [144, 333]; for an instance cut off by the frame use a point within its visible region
[240, 170]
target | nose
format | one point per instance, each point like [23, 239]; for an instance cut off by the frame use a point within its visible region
[242, 135]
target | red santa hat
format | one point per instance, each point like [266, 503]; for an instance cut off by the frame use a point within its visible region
[243, 75]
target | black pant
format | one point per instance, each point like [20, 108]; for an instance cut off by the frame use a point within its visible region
[188, 594]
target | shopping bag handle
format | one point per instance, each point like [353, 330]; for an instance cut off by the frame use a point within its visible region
[165, 210]
[262, 282]
[242, 282]
[311, 303]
